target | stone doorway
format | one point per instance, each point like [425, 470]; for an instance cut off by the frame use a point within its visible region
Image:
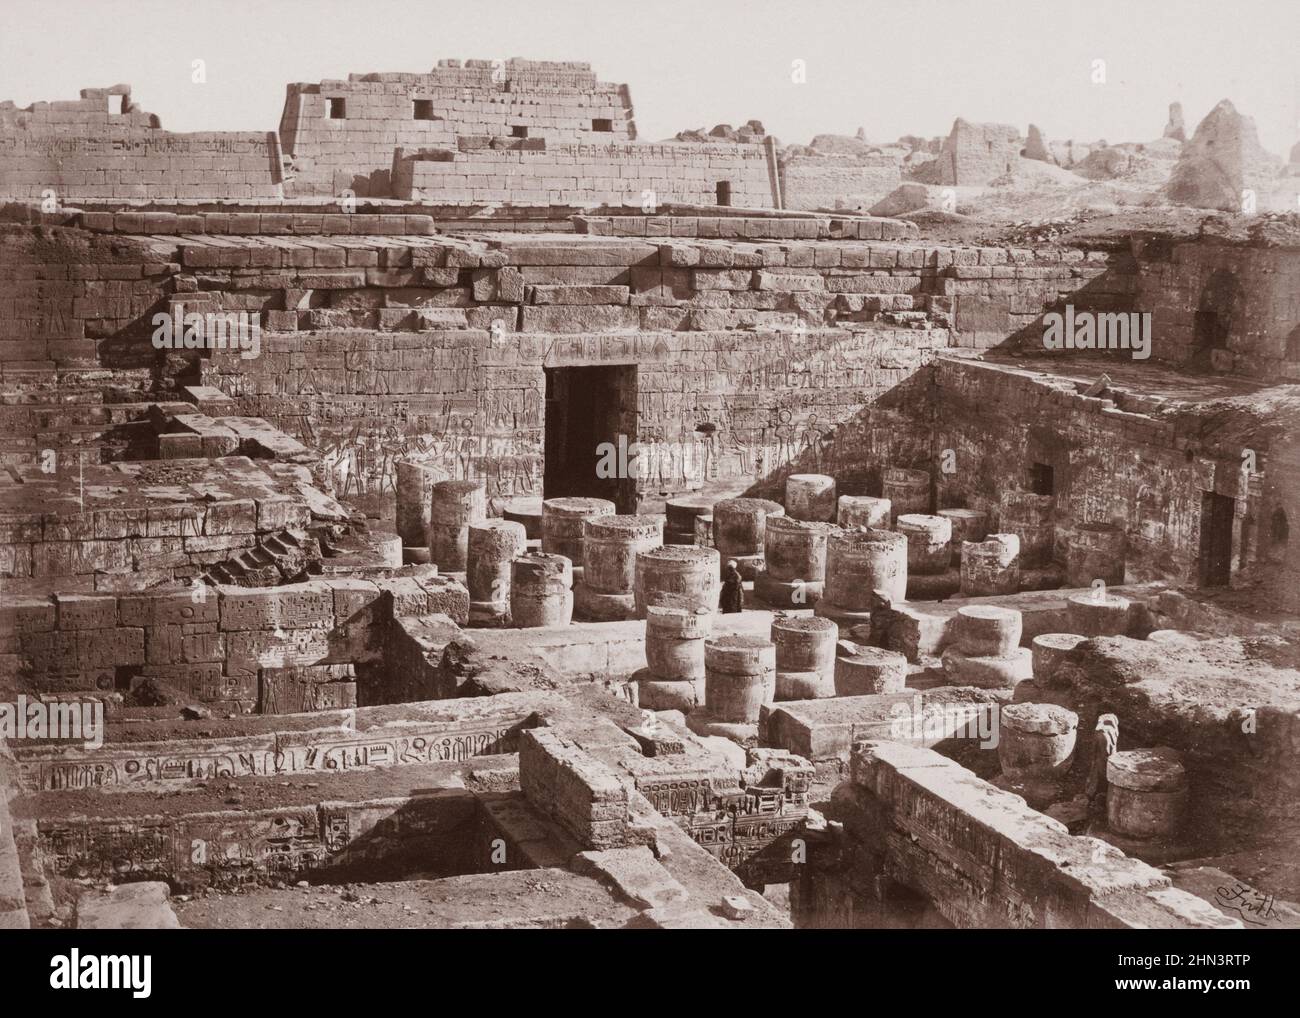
[1216, 540]
[591, 433]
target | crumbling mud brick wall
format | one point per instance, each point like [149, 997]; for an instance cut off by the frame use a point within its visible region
[85, 149]
[588, 173]
[341, 135]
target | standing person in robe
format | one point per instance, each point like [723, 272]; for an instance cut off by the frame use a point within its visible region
[733, 591]
[1105, 740]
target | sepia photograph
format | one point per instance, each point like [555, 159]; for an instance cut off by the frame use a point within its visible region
[822, 467]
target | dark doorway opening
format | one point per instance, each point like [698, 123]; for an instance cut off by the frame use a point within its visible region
[591, 434]
[1212, 322]
[1216, 540]
[1042, 479]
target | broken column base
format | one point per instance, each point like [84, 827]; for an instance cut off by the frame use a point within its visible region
[988, 672]
[807, 685]
[702, 723]
[933, 587]
[796, 594]
[489, 614]
[416, 556]
[843, 617]
[589, 606]
[685, 695]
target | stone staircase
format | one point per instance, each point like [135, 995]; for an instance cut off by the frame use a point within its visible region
[280, 558]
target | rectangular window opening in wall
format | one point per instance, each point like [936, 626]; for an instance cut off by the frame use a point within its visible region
[519, 131]
[602, 125]
[423, 109]
[337, 109]
[1042, 479]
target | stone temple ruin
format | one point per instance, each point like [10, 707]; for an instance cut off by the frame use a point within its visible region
[379, 480]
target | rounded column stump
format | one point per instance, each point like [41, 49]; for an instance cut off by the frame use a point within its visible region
[985, 630]
[740, 529]
[562, 524]
[610, 545]
[805, 657]
[861, 561]
[794, 563]
[493, 545]
[988, 672]
[1048, 651]
[991, 566]
[1032, 519]
[674, 650]
[527, 510]
[680, 516]
[739, 677]
[1090, 615]
[1147, 793]
[453, 506]
[1036, 740]
[1095, 551]
[864, 511]
[810, 497]
[541, 590]
[929, 542]
[691, 573]
[907, 490]
[415, 483]
[967, 525]
[868, 671]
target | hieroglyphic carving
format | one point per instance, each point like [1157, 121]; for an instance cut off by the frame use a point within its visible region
[111, 766]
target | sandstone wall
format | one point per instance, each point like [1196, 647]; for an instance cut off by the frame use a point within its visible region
[1226, 307]
[981, 856]
[215, 644]
[589, 173]
[560, 102]
[79, 150]
[136, 524]
[830, 182]
[1111, 463]
[381, 346]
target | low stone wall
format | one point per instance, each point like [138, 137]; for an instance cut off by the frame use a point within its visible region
[374, 832]
[982, 857]
[364, 739]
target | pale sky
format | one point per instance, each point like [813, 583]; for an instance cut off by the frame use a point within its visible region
[891, 66]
